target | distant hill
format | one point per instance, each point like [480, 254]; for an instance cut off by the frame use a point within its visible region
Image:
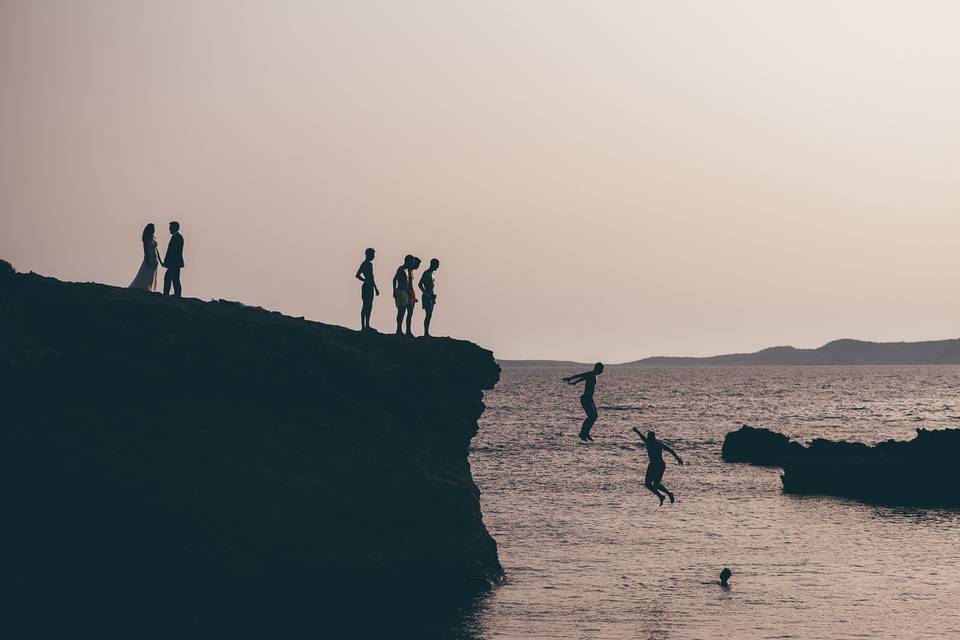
[541, 364]
[838, 352]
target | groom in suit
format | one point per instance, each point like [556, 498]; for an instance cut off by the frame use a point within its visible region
[173, 261]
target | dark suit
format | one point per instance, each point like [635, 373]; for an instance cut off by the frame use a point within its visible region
[173, 261]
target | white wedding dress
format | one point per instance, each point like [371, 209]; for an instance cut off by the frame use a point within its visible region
[147, 276]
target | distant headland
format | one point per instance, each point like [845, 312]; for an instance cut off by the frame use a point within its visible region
[839, 352]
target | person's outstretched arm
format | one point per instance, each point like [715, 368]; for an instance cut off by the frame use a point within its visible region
[579, 377]
[673, 453]
[643, 438]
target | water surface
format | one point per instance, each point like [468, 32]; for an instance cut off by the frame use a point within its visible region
[589, 554]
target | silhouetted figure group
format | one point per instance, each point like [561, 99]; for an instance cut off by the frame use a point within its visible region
[146, 278]
[404, 293]
[655, 448]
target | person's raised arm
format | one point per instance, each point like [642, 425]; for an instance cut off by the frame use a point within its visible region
[643, 438]
[673, 453]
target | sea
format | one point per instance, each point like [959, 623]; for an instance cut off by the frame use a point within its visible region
[588, 552]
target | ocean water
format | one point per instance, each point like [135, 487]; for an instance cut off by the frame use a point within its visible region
[590, 554]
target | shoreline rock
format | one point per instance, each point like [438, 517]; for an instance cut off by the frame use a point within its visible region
[189, 452]
[919, 472]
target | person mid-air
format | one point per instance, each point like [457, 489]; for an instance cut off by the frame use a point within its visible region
[586, 400]
[654, 478]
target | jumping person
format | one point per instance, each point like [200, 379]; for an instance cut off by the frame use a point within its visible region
[427, 287]
[368, 289]
[403, 292]
[654, 478]
[586, 400]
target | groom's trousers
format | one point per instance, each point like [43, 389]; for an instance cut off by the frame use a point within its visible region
[172, 277]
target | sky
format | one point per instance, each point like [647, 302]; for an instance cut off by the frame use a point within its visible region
[601, 180]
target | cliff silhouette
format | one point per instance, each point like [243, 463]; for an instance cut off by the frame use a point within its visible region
[192, 453]
[918, 472]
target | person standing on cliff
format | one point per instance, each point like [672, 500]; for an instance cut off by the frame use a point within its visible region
[412, 293]
[427, 287]
[654, 477]
[173, 261]
[586, 400]
[368, 290]
[403, 292]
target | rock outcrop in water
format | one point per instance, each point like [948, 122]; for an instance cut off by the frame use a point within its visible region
[187, 452]
[758, 446]
[920, 472]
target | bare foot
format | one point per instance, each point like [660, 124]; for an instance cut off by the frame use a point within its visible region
[671, 498]
[661, 500]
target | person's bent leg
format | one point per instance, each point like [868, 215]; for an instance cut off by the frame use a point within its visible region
[652, 487]
[175, 280]
[585, 428]
[668, 492]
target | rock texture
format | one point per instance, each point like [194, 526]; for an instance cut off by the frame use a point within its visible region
[199, 452]
[758, 446]
[919, 472]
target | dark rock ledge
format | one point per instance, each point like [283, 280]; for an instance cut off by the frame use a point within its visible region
[919, 472]
[184, 452]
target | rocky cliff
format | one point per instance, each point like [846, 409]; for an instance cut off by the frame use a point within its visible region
[919, 472]
[180, 451]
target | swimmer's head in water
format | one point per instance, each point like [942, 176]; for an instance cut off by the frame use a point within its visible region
[598, 368]
[725, 575]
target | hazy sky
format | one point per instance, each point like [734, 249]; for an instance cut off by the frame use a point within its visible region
[601, 180]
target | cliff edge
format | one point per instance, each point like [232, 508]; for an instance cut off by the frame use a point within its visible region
[182, 451]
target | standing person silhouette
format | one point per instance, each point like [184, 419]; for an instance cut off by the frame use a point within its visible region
[402, 292]
[586, 400]
[412, 293]
[173, 261]
[427, 287]
[654, 477]
[368, 289]
[146, 278]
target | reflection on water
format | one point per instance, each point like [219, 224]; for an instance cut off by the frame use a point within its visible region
[589, 554]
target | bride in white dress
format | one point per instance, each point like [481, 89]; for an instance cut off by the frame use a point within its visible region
[147, 276]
